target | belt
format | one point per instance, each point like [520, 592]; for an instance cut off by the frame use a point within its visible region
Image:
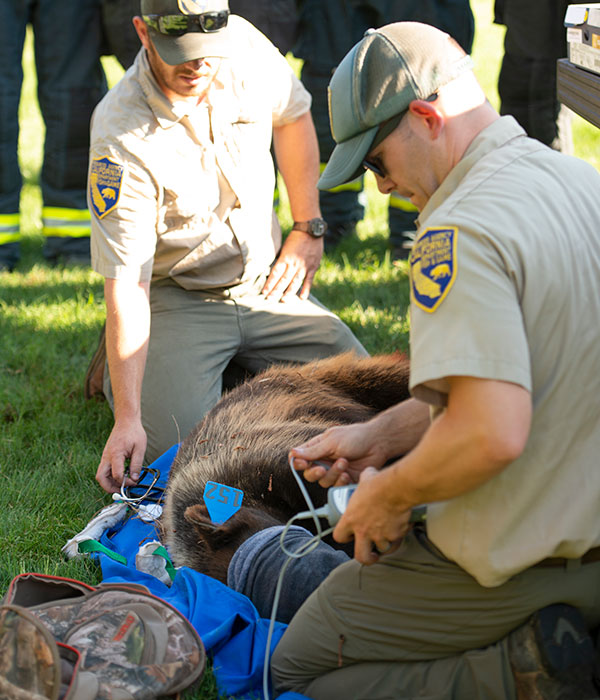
[590, 556]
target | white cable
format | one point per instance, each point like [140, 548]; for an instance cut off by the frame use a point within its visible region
[418, 514]
[302, 551]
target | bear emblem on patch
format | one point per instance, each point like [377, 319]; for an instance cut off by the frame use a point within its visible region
[433, 266]
[105, 181]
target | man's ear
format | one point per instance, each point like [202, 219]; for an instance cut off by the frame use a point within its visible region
[429, 116]
[142, 31]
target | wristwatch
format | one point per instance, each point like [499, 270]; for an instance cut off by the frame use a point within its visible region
[315, 227]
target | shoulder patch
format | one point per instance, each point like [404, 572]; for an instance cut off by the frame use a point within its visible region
[106, 177]
[433, 266]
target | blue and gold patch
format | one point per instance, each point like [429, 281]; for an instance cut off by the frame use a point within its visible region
[106, 177]
[433, 266]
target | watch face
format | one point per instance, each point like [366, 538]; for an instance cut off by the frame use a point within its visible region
[318, 227]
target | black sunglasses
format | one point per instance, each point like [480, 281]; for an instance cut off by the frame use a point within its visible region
[384, 131]
[178, 25]
[367, 165]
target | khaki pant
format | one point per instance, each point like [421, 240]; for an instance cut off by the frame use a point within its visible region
[416, 625]
[195, 335]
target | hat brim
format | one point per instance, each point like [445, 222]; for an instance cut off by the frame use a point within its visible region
[345, 163]
[192, 45]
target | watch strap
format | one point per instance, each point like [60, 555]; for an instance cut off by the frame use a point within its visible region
[301, 226]
[315, 227]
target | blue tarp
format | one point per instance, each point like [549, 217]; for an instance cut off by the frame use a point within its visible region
[233, 633]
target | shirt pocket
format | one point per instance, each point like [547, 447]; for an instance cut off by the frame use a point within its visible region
[250, 129]
[189, 197]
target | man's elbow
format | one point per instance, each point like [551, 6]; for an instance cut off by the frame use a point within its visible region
[502, 448]
[500, 416]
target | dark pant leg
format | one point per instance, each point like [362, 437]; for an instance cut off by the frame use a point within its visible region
[454, 17]
[327, 31]
[276, 19]
[13, 23]
[402, 215]
[535, 39]
[71, 81]
[341, 206]
[120, 37]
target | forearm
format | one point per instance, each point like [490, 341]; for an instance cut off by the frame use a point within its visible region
[297, 153]
[477, 436]
[483, 429]
[127, 332]
[400, 428]
[445, 464]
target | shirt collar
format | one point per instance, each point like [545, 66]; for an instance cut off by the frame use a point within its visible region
[167, 113]
[498, 133]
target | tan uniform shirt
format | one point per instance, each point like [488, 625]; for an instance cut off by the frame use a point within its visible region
[505, 283]
[186, 192]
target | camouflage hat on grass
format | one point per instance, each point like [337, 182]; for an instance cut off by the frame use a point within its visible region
[184, 30]
[377, 80]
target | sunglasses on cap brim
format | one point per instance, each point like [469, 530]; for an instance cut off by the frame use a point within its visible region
[178, 25]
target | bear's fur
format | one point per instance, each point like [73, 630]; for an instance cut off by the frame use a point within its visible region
[244, 442]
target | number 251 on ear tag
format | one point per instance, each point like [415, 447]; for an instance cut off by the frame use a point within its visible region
[221, 501]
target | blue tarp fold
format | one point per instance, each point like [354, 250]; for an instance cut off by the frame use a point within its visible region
[233, 633]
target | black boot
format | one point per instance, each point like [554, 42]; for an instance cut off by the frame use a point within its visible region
[553, 656]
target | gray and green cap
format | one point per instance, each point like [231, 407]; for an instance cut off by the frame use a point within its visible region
[193, 44]
[377, 80]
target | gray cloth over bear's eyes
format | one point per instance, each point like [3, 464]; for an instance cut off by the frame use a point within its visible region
[254, 569]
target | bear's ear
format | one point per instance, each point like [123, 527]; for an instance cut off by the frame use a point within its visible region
[214, 535]
[230, 534]
[215, 544]
[198, 516]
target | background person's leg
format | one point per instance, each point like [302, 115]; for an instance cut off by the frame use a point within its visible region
[527, 80]
[342, 207]
[14, 16]
[327, 31]
[71, 82]
[402, 216]
[120, 37]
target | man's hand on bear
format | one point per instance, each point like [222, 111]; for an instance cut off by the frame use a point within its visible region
[349, 448]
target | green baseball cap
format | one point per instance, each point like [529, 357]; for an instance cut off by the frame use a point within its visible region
[184, 30]
[377, 80]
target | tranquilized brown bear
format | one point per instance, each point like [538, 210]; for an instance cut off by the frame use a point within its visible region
[244, 442]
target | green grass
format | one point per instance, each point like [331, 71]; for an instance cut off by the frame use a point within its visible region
[51, 439]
